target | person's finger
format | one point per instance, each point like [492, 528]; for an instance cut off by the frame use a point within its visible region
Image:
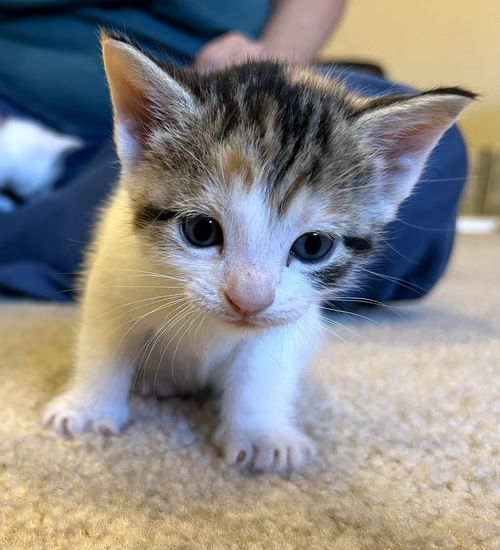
[232, 46]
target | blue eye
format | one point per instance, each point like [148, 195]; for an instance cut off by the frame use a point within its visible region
[312, 247]
[202, 231]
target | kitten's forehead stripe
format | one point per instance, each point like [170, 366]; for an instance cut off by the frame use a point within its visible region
[294, 105]
[322, 130]
[283, 203]
[294, 132]
[285, 113]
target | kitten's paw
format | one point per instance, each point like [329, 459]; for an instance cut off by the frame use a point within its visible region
[277, 452]
[69, 416]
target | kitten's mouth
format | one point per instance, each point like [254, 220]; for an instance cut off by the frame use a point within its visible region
[241, 322]
[251, 322]
[246, 323]
[255, 321]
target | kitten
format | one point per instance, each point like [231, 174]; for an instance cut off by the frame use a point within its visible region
[247, 197]
[32, 158]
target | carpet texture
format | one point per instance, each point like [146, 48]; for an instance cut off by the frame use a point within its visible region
[405, 412]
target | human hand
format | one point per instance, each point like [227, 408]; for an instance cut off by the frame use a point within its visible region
[229, 48]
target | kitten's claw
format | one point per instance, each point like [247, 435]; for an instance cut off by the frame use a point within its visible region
[278, 453]
[67, 416]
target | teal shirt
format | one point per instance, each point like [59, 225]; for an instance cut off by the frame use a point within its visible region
[50, 60]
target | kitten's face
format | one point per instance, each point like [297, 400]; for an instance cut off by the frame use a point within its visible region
[263, 187]
[245, 261]
[279, 200]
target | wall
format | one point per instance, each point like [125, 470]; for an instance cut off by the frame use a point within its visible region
[430, 43]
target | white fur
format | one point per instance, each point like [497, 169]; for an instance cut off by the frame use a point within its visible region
[32, 156]
[196, 340]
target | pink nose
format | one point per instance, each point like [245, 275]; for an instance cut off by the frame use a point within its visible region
[248, 304]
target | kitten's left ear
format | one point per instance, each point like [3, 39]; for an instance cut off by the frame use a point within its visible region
[144, 96]
[402, 131]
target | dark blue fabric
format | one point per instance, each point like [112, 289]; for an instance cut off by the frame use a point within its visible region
[419, 243]
[41, 245]
[50, 56]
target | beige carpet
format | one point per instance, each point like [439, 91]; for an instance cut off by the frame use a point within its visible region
[405, 411]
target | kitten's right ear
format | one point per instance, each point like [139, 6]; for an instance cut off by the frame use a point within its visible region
[144, 97]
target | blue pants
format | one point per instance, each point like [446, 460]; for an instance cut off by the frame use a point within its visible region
[42, 245]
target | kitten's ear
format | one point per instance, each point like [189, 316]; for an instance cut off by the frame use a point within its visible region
[144, 96]
[402, 131]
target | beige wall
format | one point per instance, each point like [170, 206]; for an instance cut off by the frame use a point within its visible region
[430, 43]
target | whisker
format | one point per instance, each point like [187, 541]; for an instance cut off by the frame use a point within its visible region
[155, 338]
[450, 229]
[183, 314]
[332, 332]
[197, 350]
[370, 302]
[164, 287]
[351, 313]
[178, 296]
[438, 180]
[329, 321]
[143, 273]
[139, 319]
[141, 364]
[188, 328]
[401, 282]
[400, 254]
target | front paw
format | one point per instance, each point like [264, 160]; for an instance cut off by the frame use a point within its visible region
[69, 415]
[276, 451]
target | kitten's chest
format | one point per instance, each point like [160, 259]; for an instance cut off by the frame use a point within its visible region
[181, 361]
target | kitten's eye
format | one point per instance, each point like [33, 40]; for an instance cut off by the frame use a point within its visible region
[312, 247]
[202, 231]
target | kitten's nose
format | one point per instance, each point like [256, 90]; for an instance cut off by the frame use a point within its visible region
[248, 303]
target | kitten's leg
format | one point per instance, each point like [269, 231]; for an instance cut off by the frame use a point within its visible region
[256, 429]
[98, 393]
